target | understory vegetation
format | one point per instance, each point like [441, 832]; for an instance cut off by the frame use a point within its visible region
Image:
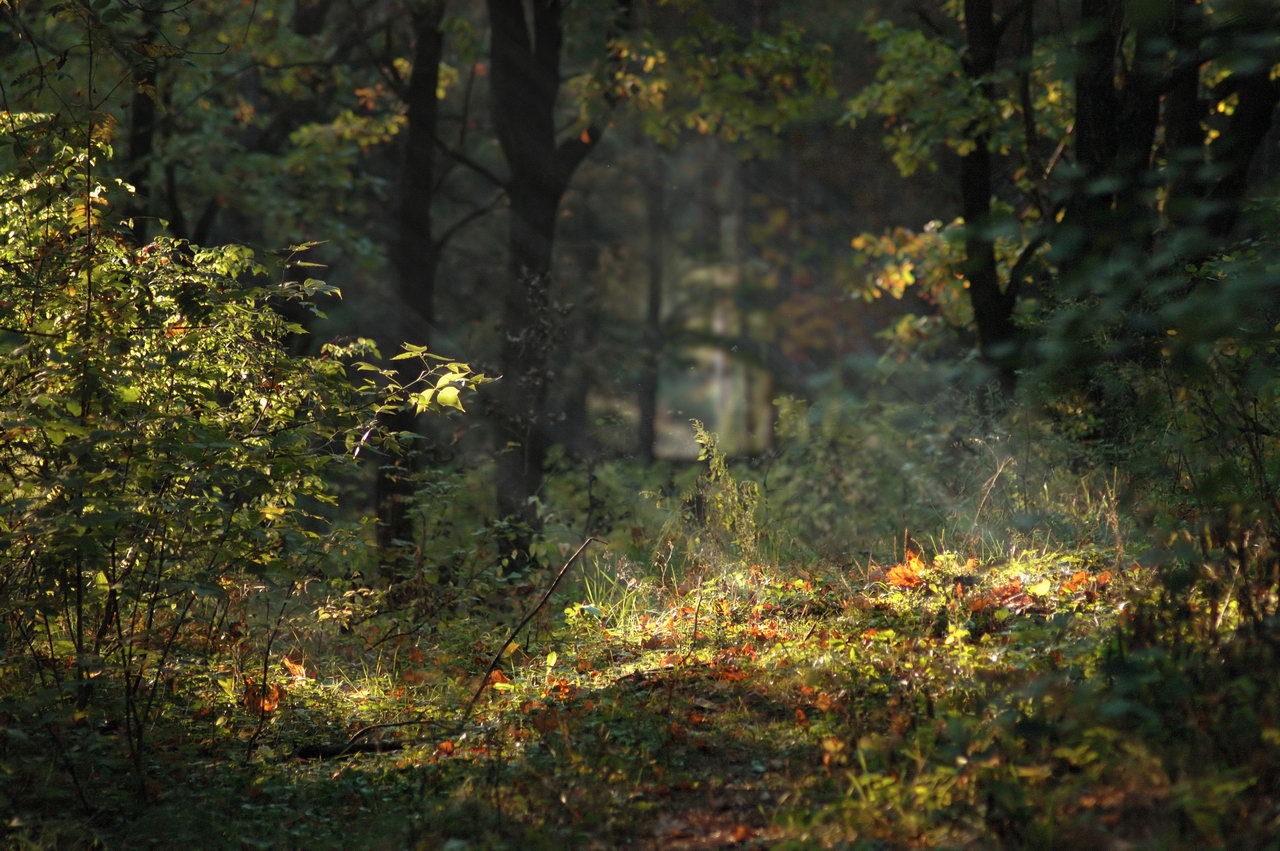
[1000, 689]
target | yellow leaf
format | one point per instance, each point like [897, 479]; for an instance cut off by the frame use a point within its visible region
[448, 396]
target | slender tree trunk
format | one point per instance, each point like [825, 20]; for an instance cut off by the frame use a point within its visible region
[415, 257]
[142, 122]
[655, 263]
[524, 362]
[1234, 150]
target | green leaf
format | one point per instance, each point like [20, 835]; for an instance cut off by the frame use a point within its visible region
[1041, 588]
[448, 397]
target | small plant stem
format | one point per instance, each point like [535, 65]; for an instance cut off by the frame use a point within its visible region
[693, 639]
[671, 681]
[266, 671]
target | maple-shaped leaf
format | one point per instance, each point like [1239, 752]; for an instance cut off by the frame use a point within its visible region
[904, 576]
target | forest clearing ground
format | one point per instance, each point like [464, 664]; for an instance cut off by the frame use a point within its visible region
[744, 711]
[937, 703]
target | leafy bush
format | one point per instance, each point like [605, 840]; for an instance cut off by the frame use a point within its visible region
[162, 450]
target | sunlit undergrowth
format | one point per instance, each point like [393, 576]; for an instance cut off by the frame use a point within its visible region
[939, 701]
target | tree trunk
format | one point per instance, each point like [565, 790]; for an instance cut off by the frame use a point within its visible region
[1234, 150]
[415, 257]
[142, 122]
[992, 306]
[525, 81]
[655, 262]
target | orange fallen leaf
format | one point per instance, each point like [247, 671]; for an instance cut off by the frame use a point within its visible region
[907, 574]
[260, 702]
[296, 669]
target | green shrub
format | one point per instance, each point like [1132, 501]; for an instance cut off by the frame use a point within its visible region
[160, 448]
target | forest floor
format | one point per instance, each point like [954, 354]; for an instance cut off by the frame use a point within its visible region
[939, 703]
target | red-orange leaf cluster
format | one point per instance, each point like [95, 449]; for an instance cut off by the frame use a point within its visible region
[907, 574]
[729, 673]
[560, 689]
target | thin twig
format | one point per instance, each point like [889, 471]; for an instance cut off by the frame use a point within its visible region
[351, 747]
[693, 644]
[497, 657]
[693, 640]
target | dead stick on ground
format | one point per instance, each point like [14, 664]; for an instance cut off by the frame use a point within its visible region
[497, 657]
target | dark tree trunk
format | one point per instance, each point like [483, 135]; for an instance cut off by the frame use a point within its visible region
[415, 256]
[992, 305]
[1234, 150]
[579, 351]
[1096, 134]
[1116, 128]
[1184, 110]
[525, 81]
[142, 122]
[655, 262]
